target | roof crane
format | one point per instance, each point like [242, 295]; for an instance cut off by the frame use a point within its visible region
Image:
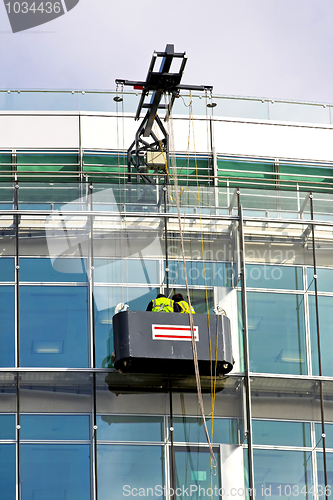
[145, 155]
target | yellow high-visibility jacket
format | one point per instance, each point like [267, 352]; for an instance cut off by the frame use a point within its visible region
[162, 304]
[185, 308]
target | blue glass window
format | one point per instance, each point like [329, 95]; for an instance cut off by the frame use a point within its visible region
[280, 473]
[54, 427]
[53, 326]
[276, 277]
[7, 320]
[122, 468]
[324, 280]
[191, 430]
[321, 474]
[126, 271]
[280, 433]
[216, 273]
[53, 270]
[276, 333]
[329, 436]
[325, 305]
[7, 426]
[193, 469]
[52, 471]
[7, 471]
[106, 299]
[7, 269]
[128, 428]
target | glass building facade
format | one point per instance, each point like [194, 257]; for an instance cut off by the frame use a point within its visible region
[77, 238]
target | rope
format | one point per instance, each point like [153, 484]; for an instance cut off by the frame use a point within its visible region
[194, 347]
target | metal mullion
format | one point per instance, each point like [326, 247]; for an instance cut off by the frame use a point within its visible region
[246, 348]
[323, 435]
[307, 322]
[314, 460]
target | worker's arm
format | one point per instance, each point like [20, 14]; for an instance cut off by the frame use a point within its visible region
[176, 308]
[150, 306]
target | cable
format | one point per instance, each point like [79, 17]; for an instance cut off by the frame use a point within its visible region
[194, 347]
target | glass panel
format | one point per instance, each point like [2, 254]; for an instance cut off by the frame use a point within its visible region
[56, 392]
[54, 427]
[53, 326]
[6, 193]
[329, 435]
[279, 433]
[7, 319]
[126, 469]
[127, 428]
[201, 274]
[7, 269]
[324, 280]
[190, 430]
[50, 163]
[193, 471]
[325, 305]
[276, 333]
[50, 196]
[321, 474]
[7, 427]
[100, 166]
[54, 471]
[7, 471]
[277, 277]
[282, 473]
[53, 270]
[126, 271]
[105, 301]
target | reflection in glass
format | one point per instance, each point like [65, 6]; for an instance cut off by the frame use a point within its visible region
[276, 333]
[7, 321]
[281, 433]
[52, 471]
[321, 474]
[53, 326]
[325, 328]
[126, 271]
[7, 269]
[276, 277]
[279, 473]
[7, 427]
[133, 466]
[190, 430]
[128, 428]
[7, 471]
[193, 469]
[106, 300]
[328, 433]
[54, 427]
[53, 270]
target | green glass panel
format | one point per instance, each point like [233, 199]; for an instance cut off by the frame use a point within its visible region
[324, 280]
[100, 166]
[128, 428]
[279, 433]
[191, 430]
[276, 333]
[276, 277]
[325, 305]
[280, 473]
[243, 170]
[311, 174]
[191, 170]
[50, 196]
[5, 165]
[49, 164]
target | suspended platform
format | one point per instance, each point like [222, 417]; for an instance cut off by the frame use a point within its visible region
[157, 348]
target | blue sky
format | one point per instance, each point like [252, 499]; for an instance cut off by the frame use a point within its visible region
[263, 48]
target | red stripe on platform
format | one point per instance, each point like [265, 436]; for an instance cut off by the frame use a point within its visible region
[187, 329]
[173, 336]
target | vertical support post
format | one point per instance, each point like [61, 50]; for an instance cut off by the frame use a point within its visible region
[246, 348]
[18, 436]
[173, 468]
[166, 242]
[215, 183]
[323, 435]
